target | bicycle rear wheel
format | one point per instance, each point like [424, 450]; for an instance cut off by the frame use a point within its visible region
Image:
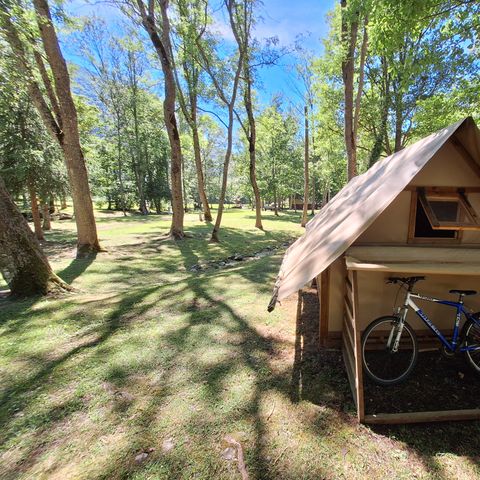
[381, 365]
[472, 339]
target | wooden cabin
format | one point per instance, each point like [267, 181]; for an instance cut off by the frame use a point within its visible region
[416, 212]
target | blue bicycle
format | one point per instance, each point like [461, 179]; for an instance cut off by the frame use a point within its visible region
[389, 344]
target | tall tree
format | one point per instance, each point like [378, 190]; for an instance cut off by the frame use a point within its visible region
[245, 45]
[228, 98]
[56, 107]
[191, 26]
[305, 172]
[156, 23]
[22, 262]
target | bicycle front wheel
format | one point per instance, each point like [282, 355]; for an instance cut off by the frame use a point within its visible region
[381, 365]
[472, 343]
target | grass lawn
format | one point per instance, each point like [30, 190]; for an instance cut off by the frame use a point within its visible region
[144, 371]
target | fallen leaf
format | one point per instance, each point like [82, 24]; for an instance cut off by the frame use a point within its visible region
[168, 445]
[229, 453]
[141, 457]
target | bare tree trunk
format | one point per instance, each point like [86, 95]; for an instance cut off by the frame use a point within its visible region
[305, 188]
[382, 136]
[198, 167]
[349, 39]
[361, 78]
[120, 166]
[226, 163]
[398, 122]
[185, 207]
[37, 223]
[69, 137]
[252, 138]
[138, 163]
[163, 48]
[313, 197]
[275, 196]
[22, 262]
[230, 103]
[47, 225]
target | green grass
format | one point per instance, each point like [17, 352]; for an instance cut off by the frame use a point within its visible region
[148, 351]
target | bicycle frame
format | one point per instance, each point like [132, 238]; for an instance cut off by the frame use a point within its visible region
[452, 346]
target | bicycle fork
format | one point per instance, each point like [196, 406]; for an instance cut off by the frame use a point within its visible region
[393, 341]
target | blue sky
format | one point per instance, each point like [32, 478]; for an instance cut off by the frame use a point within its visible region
[287, 20]
[284, 19]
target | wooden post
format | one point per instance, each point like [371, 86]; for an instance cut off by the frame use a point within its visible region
[358, 353]
[323, 285]
[351, 346]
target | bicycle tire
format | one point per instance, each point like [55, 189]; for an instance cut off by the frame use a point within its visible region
[472, 336]
[376, 359]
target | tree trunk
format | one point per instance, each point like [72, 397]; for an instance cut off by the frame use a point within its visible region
[163, 48]
[69, 139]
[275, 196]
[198, 167]
[349, 38]
[382, 136]
[252, 137]
[313, 197]
[185, 200]
[46, 217]
[361, 77]
[120, 165]
[22, 262]
[138, 163]
[228, 153]
[306, 178]
[37, 222]
[398, 122]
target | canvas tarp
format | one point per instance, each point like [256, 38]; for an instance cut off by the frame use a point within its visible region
[341, 221]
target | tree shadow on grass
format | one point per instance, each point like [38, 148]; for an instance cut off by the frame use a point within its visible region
[76, 268]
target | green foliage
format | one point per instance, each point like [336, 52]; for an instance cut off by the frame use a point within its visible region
[279, 157]
[28, 155]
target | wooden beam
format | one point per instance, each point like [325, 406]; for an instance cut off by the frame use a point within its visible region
[422, 417]
[465, 154]
[358, 355]
[434, 190]
[468, 207]
[324, 304]
[432, 218]
[350, 372]
[412, 216]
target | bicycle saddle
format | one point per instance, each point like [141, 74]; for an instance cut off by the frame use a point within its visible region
[464, 292]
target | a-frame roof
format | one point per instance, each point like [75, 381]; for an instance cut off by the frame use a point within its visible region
[341, 221]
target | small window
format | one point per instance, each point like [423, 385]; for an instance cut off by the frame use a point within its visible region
[449, 211]
[441, 215]
[423, 228]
